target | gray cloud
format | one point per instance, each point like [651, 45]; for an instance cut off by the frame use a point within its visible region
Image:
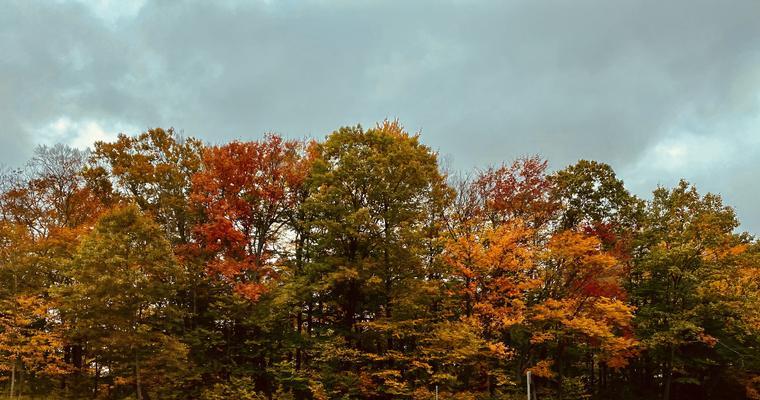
[660, 90]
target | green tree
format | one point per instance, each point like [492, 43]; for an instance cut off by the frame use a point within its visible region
[375, 196]
[591, 195]
[154, 170]
[686, 246]
[119, 301]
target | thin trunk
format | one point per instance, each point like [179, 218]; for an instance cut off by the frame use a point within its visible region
[668, 381]
[309, 318]
[20, 382]
[193, 321]
[668, 374]
[137, 377]
[591, 374]
[299, 323]
[13, 378]
[388, 315]
[15, 361]
[561, 369]
[600, 380]
[97, 377]
[299, 318]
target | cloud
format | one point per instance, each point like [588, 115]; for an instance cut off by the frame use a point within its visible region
[80, 134]
[657, 89]
[721, 157]
[111, 11]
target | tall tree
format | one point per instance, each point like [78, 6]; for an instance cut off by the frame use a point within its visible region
[492, 271]
[29, 343]
[153, 169]
[579, 310]
[247, 193]
[374, 192]
[591, 196]
[119, 302]
[49, 200]
[684, 248]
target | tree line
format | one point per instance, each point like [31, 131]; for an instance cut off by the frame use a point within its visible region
[159, 267]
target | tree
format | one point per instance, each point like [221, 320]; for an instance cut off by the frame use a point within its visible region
[122, 280]
[374, 196]
[29, 343]
[154, 170]
[50, 193]
[520, 190]
[246, 193]
[591, 196]
[49, 205]
[493, 271]
[579, 309]
[685, 249]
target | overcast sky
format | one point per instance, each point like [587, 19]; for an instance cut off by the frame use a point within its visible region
[661, 90]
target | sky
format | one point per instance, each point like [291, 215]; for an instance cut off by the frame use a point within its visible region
[660, 90]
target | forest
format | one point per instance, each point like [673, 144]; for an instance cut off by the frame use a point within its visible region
[157, 266]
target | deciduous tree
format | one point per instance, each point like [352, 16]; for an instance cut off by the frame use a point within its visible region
[119, 303]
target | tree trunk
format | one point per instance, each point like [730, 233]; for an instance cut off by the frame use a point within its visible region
[561, 369]
[591, 375]
[138, 383]
[97, 377]
[20, 382]
[15, 361]
[299, 324]
[77, 356]
[668, 374]
[13, 378]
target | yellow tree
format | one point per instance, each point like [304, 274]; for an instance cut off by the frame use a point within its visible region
[28, 342]
[579, 308]
[50, 203]
[26, 347]
[492, 271]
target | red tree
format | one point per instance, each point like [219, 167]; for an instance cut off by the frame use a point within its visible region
[245, 192]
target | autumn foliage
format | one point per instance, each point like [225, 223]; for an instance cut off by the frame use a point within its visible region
[245, 193]
[156, 266]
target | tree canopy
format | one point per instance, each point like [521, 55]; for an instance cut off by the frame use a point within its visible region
[353, 267]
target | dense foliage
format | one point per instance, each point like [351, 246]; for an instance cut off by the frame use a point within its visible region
[157, 267]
